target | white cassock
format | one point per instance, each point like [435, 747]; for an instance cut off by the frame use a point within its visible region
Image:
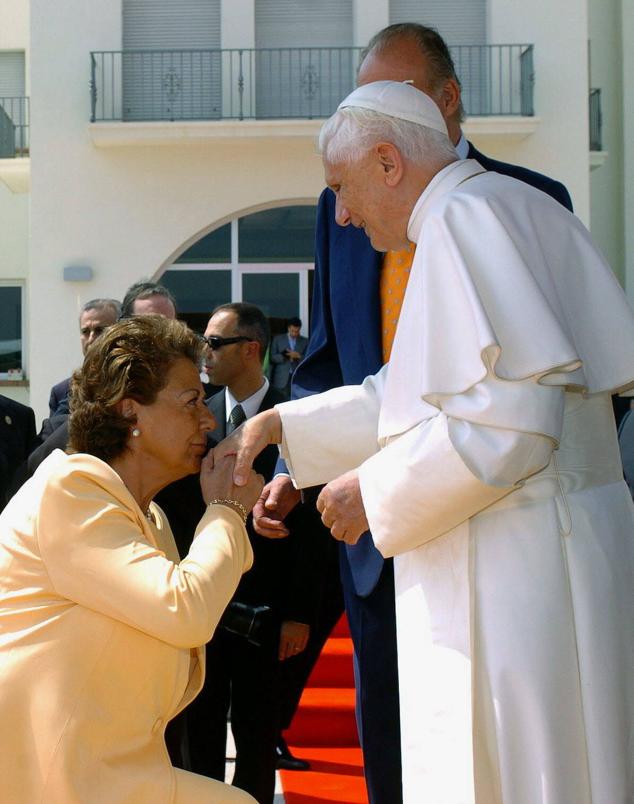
[489, 469]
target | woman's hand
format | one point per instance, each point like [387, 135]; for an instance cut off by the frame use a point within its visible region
[216, 481]
[248, 441]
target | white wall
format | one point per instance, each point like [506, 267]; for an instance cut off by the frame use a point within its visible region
[238, 23]
[559, 32]
[606, 181]
[14, 234]
[14, 28]
[369, 16]
[123, 211]
[14, 208]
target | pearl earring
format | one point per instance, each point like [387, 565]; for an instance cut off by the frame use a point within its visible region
[136, 432]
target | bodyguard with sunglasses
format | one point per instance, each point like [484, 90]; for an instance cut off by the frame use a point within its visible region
[216, 342]
[278, 594]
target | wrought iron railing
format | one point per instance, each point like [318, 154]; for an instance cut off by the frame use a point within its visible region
[278, 83]
[14, 127]
[596, 120]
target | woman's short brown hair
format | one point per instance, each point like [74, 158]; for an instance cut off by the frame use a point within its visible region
[131, 360]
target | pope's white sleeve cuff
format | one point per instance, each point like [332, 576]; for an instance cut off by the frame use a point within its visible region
[419, 487]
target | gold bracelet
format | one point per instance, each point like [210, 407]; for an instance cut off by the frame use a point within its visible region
[237, 506]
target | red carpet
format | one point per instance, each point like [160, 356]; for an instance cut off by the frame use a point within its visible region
[324, 731]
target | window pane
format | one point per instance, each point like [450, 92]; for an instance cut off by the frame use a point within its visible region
[276, 294]
[10, 328]
[198, 291]
[286, 234]
[213, 247]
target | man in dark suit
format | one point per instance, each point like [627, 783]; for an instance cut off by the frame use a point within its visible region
[17, 434]
[96, 316]
[286, 353]
[241, 674]
[346, 346]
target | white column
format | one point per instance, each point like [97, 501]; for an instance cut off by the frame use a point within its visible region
[606, 180]
[369, 16]
[237, 30]
[237, 23]
[559, 32]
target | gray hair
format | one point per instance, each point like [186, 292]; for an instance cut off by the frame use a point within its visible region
[102, 304]
[433, 49]
[352, 132]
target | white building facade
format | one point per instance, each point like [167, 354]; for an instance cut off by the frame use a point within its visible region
[175, 139]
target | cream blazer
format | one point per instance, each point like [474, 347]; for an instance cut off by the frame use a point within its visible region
[100, 634]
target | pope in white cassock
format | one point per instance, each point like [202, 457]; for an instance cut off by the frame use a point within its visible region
[484, 459]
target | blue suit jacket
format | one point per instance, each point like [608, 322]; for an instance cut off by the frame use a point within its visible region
[58, 398]
[345, 340]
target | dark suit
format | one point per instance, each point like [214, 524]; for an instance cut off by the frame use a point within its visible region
[59, 397]
[240, 674]
[17, 435]
[344, 348]
[56, 439]
[282, 367]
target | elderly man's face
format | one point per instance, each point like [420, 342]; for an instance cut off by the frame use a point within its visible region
[92, 323]
[363, 202]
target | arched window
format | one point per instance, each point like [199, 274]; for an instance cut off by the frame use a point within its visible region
[265, 258]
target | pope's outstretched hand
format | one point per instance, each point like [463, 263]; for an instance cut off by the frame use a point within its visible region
[248, 441]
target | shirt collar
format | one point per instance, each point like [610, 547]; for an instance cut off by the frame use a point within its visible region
[443, 182]
[462, 147]
[250, 405]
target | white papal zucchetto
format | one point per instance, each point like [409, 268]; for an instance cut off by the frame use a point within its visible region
[397, 99]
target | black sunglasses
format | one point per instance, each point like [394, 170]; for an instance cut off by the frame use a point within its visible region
[216, 342]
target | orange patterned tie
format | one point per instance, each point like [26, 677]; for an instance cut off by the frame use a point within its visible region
[394, 276]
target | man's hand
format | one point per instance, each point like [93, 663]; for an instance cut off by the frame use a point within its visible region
[278, 498]
[248, 441]
[293, 639]
[341, 508]
[293, 355]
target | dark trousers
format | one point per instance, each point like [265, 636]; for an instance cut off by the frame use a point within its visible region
[245, 677]
[296, 670]
[372, 622]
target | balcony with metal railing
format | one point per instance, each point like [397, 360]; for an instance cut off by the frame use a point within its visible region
[14, 127]
[281, 83]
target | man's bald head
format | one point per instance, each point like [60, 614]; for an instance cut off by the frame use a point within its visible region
[412, 52]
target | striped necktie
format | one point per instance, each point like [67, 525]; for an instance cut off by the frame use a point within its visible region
[236, 417]
[393, 282]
